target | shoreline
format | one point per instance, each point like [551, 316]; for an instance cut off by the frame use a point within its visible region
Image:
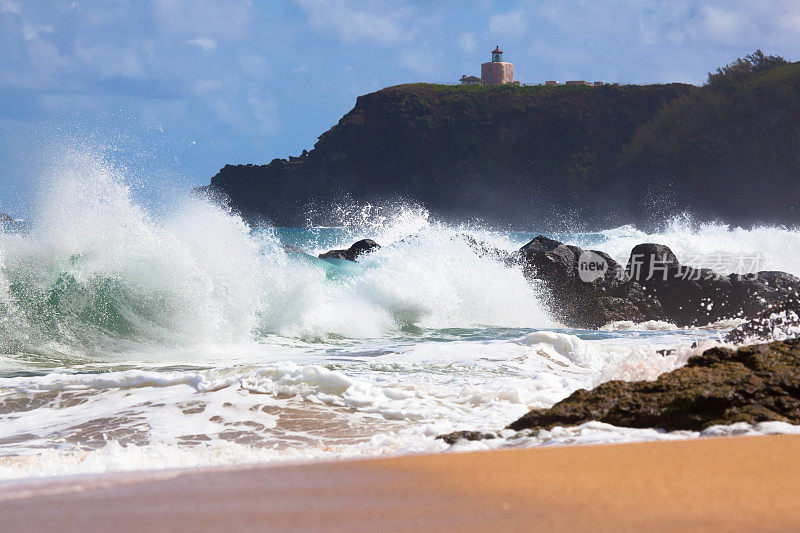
[735, 483]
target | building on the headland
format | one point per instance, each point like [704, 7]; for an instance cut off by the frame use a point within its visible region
[497, 71]
[580, 82]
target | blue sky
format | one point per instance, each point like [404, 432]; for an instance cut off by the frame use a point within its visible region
[174, 89]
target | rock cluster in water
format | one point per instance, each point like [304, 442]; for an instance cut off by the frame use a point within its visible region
[652, 286]
[722, 386]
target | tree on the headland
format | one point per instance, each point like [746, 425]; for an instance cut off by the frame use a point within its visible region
[743, 68]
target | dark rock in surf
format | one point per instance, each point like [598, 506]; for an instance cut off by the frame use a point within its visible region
[541, 244]
[721, 386]
[5, 218]
[653, 286]
[452, 438]
[697, 296]
[574, 300]
[648, 259]
[351, 254]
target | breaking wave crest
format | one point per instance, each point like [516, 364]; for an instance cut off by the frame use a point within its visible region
[98, 273]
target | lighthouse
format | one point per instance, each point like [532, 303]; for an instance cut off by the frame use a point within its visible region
[497, 71]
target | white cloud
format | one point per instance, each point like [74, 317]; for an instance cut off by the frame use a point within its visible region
[265, 111]
[204, 43]
[354, 25]
[10, 6]
[108, 60]
[30, 32]
[467, 42]
[647, 32]
[207, 86]
[723, 24]
[510, 24]
[764, 24]
[420, 64]
[246, 109]
[254, 64]
[215, 19]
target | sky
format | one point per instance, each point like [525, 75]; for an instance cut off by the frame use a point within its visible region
[172, 90]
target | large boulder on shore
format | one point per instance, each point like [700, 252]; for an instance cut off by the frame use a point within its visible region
[653, 286]
[351, 254]
[722, 386]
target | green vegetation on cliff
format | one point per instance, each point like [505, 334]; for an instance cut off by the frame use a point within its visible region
[729, 150]
[540, 155]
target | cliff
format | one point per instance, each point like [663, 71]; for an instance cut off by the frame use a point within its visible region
[502, 153]
[545, 156]
[730, 150]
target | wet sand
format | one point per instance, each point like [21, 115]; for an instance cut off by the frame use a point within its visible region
[745, 483]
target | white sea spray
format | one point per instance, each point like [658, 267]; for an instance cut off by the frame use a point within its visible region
[135, 341]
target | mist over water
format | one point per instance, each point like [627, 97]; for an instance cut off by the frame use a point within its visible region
[133, 340]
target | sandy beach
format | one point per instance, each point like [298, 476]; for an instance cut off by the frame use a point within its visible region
[745, 483]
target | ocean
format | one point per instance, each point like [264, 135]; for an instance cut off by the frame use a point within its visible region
[132, 340]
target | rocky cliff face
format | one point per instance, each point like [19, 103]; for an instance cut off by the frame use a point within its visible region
[515, 155]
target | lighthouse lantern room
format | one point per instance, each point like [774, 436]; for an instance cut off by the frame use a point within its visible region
[497, 55]
[497, 71]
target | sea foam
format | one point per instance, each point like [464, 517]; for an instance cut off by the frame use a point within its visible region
[133, 340]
